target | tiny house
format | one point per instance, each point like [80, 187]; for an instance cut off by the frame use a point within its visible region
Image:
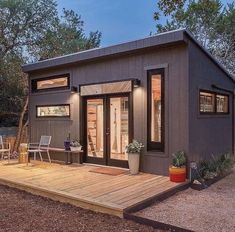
[166, 91]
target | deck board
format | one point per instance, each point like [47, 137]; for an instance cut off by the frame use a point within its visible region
[77, 185]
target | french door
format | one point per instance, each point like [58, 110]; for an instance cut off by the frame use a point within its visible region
[107, 129]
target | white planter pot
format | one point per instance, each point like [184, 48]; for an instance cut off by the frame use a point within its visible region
[75, 148]
[134, 163]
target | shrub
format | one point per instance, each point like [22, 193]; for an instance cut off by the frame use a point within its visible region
[75, 143]
[179, 159]
[134, 147]
[225, 163]
[217, 166]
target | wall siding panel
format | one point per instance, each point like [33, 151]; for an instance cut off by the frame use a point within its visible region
[208, 135]
[128, 66]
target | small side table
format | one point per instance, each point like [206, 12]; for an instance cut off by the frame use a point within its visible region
[23, 154]
[23, 158]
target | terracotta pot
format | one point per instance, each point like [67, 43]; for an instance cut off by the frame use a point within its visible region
[177, 174]
[134, 163]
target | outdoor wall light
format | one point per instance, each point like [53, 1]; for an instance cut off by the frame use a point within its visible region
[136, 83]
[74, 89]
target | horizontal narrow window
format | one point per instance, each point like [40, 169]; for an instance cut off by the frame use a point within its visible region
[156, 109]
[106, 88]
[53, 111]
[51, 83]
[213, 103]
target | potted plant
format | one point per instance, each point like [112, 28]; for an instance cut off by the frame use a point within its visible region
[133, 150]
[75, 146]
[178, 169]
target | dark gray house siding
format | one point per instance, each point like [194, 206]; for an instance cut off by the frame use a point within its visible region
[208, 134]
[187, 69]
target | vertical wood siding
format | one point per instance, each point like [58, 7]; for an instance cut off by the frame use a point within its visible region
[208, 134]
[128, 66]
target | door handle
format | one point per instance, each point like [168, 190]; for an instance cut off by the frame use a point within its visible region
[108, 131]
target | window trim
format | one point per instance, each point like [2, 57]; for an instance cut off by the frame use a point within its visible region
[52, 105]
[34, 83]
[155, 146]
[215, 103]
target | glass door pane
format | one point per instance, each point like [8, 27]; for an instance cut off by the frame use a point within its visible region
[95, 128]
[119, 127]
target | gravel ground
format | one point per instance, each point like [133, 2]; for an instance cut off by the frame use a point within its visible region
[212, 209]
[21, 212]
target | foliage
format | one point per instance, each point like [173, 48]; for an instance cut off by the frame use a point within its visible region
[65, 36]
[13, 84]
[179, 159]
[29, 31]
[167, 7]
[134, 147]
[22, 23]
[216, 166]
[211, 23]
[75, 143]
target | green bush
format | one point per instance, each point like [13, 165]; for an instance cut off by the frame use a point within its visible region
[179, 159]
[134, 147]
[216, 167]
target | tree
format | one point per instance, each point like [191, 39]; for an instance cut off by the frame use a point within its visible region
[65, 36]
[23, 22]
[31, 30]
[211, 23]
[13, 85]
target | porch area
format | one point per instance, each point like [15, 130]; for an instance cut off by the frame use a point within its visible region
[80, 185]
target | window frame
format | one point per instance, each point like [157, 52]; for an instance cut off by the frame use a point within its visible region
[224, 95]
[35, 81]
[215, 103]
[151, 145]
[53, 116]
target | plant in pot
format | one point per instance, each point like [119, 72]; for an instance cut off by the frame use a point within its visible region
[178, 169]
[133, 150]
[75, 146]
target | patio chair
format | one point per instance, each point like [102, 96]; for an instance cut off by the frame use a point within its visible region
[5, 148]
[42, 146]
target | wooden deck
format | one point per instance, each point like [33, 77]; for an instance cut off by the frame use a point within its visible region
[78, 186]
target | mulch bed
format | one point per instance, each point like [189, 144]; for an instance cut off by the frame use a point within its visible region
[21, 211]
[209, 182]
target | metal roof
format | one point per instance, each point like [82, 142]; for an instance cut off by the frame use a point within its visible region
[162, 39]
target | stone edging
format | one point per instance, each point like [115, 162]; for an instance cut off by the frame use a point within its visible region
[154, 224]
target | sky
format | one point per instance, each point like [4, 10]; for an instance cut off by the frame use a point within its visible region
[118, 20]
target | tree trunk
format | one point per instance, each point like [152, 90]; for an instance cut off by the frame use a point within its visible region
[21, 126]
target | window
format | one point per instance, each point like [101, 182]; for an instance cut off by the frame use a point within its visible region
[221, 103]
[51, 83]
[207, 102]
[215, 103]
[53, 111]
[156, 110]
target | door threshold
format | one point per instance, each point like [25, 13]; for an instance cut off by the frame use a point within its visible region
[105, 166]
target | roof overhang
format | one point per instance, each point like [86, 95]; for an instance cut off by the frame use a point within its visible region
[163, 39]
[160, 40]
